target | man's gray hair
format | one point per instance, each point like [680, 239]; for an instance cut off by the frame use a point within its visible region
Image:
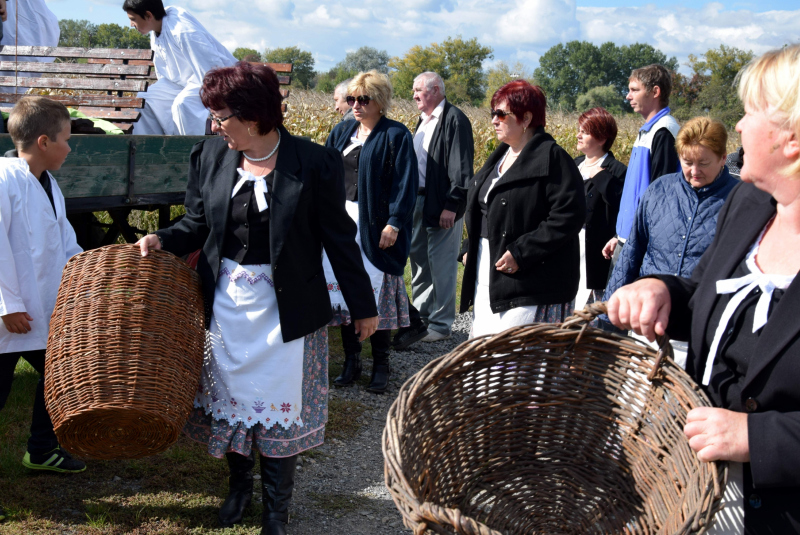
[431, 80]
[341, 89]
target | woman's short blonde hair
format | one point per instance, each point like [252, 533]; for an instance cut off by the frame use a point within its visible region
[705, 132]
[375, 85]
[770, 83]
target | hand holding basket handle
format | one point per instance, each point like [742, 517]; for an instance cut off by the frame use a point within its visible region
[642, 307]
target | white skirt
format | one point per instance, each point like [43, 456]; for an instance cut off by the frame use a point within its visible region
[484, 321]
[250, 374]
[375, 275]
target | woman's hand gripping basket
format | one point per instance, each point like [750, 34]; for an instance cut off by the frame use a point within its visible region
[550, 429]
[124, 352]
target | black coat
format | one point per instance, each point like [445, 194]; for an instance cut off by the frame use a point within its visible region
[306, 212]
[603, 193]
[770, 392]
[450, 166]
[536, 211]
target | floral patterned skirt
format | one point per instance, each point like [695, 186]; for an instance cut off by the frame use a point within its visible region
[222, 437]
[392, 306]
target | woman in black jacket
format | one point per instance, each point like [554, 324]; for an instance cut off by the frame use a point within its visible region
[739, 313]
[260, 205]
[603, 178]
[525, 209]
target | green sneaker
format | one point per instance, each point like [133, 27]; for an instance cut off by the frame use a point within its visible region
[57, 460]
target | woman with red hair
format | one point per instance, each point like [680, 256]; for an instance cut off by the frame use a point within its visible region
[525, 209]
[260, 205]
[603, 179]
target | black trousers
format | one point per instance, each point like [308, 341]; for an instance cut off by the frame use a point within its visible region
[43, 438]
[381, 341]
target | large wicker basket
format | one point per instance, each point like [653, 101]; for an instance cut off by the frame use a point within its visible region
[124, 352]
[549, 429]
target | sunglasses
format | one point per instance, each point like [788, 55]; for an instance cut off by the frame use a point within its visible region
[500, 114]
[220, 120]
[363, 100]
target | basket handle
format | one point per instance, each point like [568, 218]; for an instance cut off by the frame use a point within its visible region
[581, 319]
[443, 516]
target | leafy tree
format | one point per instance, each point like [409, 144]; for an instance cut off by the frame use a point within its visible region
[500, 75]
[302, 63]
[76, 33]
[364, 59]
[458, 62]
[246, 54]
[82, 33]
[711, 88]
[572, 69]
[604, 96]
[116, 36]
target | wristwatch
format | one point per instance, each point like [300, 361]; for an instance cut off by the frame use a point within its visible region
[395, 228]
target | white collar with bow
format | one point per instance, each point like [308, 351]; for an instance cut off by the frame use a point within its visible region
[743, 286]
[259, 187]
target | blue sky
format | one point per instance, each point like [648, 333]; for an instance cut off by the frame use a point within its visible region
[517, 30]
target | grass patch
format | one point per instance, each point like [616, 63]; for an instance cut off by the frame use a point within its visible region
[343, 416]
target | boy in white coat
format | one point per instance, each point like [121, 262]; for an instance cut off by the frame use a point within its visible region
[36, 240]
[184, 51]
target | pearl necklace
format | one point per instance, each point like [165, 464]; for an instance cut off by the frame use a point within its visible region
[268, 156]
[595, 164]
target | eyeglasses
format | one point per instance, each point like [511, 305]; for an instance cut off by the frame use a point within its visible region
[501, 114]
[363, 100]
[220, 120]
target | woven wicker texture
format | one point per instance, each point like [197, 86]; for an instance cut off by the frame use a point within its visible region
[549, 429]
[124, 352]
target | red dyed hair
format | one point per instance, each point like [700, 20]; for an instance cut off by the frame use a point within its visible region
[251, 92]
[521, 96]
[600, 125]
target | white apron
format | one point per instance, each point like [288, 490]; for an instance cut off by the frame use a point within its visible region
[375, 275]
[249, 374]
[484, 321]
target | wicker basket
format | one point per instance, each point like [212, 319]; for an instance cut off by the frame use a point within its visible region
[124, 352]
[549, 429]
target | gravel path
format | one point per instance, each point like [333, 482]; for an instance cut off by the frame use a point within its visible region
[340, 485]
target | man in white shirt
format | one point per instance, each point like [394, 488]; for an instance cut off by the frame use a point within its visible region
[445, 149]
[184, 52]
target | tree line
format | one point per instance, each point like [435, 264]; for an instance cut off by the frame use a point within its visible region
[575, 76]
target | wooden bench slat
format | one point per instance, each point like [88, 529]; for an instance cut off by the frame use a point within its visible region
[126, 128]
[105, 113]
[111, 61]
[75, 68]
[95, 84]
[107, 101]
[74, 52]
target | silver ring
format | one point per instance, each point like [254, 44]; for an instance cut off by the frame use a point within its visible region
[509, 270]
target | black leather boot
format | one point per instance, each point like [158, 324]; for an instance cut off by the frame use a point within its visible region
[277, 480]
[241, 488]
[351, 371]
[380, 373]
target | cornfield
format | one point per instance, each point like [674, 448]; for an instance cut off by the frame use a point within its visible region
[311, 114]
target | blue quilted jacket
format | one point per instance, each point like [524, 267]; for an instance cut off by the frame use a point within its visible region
[674, 226]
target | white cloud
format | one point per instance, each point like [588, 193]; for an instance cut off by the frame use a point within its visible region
[321, 17]
[680, 31]
[538, 22]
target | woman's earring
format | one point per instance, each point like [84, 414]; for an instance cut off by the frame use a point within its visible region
[524, 129]
[248, 131]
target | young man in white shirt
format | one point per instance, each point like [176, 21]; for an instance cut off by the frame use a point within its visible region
[184, 51]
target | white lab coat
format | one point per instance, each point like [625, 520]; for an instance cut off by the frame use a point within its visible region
[184, 52]
[38, 26]
[35, 245]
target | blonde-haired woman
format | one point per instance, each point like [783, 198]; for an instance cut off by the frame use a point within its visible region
[381, 182]
[739, 312]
